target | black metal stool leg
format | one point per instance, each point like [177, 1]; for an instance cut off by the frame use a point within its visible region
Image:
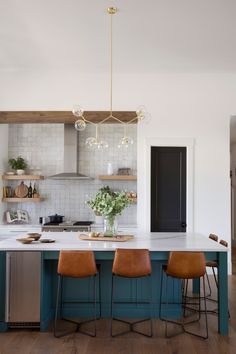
[94, 320]
[78, 324]
[199, 314]
[100, 295]
[130, 324]
[112, 294]
[209, 285]
[57, 305]
[161, 290]
[183, 324]
[95, 306]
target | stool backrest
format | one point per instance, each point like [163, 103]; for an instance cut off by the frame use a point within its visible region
[77, 264]
[224, 243]
[213, 237]
[186, 265]
[132, 263]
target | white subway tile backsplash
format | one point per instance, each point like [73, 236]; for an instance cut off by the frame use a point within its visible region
[43, 146]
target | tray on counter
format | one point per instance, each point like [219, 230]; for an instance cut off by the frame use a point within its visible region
[118, 238]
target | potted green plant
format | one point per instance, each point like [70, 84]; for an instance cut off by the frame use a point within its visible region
[19, 165]
[109, 204]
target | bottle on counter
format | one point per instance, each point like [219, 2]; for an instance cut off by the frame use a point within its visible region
[30, 191]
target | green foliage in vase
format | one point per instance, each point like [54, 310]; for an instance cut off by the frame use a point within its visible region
[107, 202]
[18, 164]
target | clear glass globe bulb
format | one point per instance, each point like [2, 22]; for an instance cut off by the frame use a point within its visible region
[91, 142]
[102, 144]
[141, 112]
[125, 142]
[78, 111]
[80, 125]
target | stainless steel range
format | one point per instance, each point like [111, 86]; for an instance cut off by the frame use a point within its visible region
[67, 226]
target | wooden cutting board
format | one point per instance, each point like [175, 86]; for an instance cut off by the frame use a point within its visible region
[118, 238]
[21, 191]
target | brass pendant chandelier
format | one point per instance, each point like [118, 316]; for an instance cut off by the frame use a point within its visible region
[95, 142]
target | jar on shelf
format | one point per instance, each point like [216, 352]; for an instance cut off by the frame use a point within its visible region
[109, 169]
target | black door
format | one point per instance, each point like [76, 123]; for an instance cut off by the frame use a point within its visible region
[168, 189]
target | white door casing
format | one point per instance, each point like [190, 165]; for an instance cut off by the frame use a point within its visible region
[144, 213]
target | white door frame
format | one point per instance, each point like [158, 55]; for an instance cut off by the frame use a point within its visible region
[179, 142]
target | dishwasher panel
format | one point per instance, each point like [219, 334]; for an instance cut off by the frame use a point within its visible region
[23, 289]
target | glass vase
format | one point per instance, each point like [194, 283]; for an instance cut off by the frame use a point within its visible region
[110, 225]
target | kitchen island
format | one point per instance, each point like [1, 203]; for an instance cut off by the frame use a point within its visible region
[159, 244]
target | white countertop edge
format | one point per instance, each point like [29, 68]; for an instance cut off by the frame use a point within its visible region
[19, 226]
[39, 226]
[163, 242]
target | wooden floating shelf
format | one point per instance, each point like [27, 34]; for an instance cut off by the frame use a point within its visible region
[22, 200]
[21, 177]
[118, 177]
[65, 117]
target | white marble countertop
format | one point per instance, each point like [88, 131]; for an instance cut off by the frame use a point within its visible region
[151, 241]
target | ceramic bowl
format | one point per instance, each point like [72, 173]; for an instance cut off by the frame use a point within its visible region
[34, 235]
[47, 240]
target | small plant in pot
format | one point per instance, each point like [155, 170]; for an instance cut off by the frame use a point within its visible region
[19, 165]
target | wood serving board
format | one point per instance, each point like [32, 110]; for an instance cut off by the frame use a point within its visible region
[21, 191]
[118, 238]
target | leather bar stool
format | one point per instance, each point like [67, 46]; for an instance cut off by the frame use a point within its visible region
[211, 264]
[214, 265]
[131, 263]
[184, 266]
[75, 264]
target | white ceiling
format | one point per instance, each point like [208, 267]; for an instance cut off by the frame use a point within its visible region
[149, 35]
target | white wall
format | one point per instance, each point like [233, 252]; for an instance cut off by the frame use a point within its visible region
[233, 190]
[3, 160]
[196, 106]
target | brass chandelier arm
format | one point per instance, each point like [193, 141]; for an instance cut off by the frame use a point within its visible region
[88, 121]
[80, 124]
[132, 120]
[111, 117]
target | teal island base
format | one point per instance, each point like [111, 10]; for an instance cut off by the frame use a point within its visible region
[134, 291]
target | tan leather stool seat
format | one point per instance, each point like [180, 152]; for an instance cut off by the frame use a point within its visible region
[132, 263]
[214, 265]
[211, 264]
[213, 237]
[77, 264]
[183, 266]
[186, 265]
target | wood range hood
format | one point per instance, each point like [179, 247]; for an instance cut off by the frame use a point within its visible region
[61, 117]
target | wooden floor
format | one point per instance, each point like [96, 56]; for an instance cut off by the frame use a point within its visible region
[34, 342]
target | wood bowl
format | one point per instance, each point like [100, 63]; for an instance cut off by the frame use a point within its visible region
[25, 240]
